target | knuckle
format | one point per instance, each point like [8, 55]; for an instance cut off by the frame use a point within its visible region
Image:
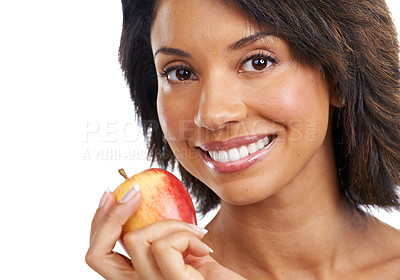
[159, 246]
[93, 260]
[134, 238]
[112, 219]
[108, 216]
[90, 258]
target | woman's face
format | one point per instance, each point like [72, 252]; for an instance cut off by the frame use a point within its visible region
[238, 112]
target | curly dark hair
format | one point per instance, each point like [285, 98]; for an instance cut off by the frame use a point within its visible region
[354, 44]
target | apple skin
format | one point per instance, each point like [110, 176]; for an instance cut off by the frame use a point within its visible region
[163, 197]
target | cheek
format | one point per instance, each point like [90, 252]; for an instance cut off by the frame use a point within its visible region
[166, 118]
[298, 103]
[174, 118]
[306, 109]
[298, 98]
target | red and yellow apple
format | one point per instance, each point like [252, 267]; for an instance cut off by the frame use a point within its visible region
[163, 197]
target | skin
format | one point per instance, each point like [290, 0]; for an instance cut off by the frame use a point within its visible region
[283, 217]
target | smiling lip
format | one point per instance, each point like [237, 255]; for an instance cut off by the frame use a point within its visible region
[239, 164]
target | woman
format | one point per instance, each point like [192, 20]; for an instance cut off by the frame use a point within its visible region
[284, 113]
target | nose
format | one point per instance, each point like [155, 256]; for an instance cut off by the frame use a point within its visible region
[220, 103]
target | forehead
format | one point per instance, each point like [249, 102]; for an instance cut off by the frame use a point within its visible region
[176, 20]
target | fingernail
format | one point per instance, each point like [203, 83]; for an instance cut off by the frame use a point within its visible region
[211, 250]
[130, 194]
[104, 197]
[197, 228]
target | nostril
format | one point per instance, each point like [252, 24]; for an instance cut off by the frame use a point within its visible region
[212, 123]
[218, 118]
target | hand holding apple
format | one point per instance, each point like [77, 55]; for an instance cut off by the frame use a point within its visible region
[163, 197]
[176, 245]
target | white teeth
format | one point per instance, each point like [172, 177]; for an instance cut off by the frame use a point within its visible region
[233, 154]
[243, 152]
[260, 144]
[223, 156]
[252, 148]
[238, 153]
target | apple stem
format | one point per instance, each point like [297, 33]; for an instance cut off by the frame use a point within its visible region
[122, 172]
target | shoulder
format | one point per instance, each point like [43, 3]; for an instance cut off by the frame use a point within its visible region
[385, 248]
[393, 262]
[388, 269]
[389, 238]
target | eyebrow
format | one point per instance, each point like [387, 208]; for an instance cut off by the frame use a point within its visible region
[172, 51]
[249, 39]
[235, 46]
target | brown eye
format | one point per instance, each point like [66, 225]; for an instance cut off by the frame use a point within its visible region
[179, 74]
[183, 74]
[259, 63]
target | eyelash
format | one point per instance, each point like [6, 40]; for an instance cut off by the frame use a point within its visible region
[262, 55]
[166, 71]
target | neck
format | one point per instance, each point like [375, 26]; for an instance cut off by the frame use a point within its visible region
[308, 230]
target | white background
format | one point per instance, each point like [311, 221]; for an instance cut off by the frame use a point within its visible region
[67, 126]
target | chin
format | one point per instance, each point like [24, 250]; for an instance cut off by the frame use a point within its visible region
[243, 195]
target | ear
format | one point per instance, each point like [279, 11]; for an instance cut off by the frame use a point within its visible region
[336, 99]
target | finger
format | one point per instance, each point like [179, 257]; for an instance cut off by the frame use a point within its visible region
[168, 255]
[211, 269]
[113, 267]
[106, 202]
[160, 229]
[108, 228]
[138, 243]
